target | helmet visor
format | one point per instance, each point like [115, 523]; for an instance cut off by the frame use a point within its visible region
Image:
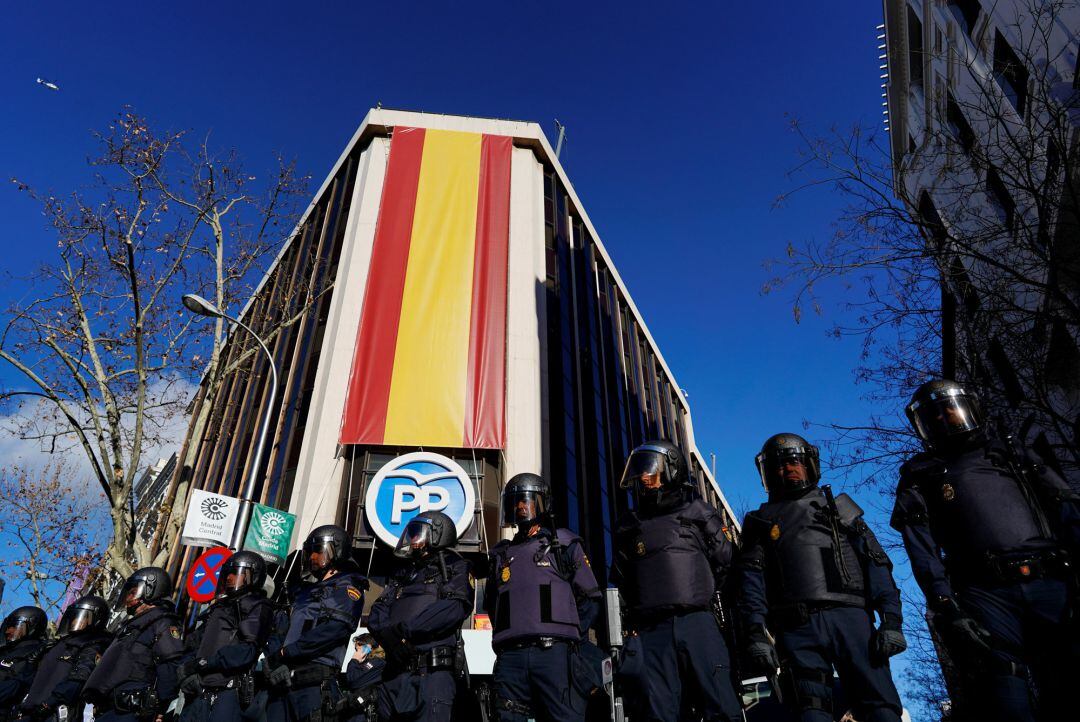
[76, 619]
[15, 629]
[133, 592]
[787, 468]
[319, 555]
[414, 540]
[234, 579]
[947, 414]
[522, 507]
[645, 469]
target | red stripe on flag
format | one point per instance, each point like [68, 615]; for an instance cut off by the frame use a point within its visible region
[485, 391]
[364, 420]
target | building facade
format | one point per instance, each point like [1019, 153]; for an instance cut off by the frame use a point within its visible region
[981, 104]
[447, 296]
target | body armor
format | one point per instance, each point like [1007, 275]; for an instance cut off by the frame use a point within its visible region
[64, 669]
[245, 619]
[335, 599]
[808, 557]
[18, 661]
[131, 657]
[417, 588]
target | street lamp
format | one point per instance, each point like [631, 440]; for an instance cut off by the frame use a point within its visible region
[202, 307]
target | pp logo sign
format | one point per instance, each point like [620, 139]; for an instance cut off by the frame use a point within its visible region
[415, 483]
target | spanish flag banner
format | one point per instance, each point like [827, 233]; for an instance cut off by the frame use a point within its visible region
[430, 362]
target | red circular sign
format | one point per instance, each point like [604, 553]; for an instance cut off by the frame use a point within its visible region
[202, 578]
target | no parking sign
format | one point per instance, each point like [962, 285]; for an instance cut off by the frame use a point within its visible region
[202, 578]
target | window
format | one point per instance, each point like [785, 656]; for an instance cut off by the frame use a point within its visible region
[966, 13]
[1000, 199]
[1010, 73]
[958, 126]
[915, 48]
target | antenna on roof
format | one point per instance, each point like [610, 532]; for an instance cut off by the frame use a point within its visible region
[562, 137]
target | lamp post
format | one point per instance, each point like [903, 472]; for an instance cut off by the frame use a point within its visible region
[199, 305]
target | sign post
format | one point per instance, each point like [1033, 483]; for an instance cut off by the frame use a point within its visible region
[269, 533]
[202, 578]
[210, 519]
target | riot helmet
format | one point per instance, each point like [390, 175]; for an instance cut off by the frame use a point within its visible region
[526, 500]
[654, 471]
[145, 586]
[85, 614]
[944, 413]
[426, 532]
[788, 463]
[244, 571]
[24, 623]
[325, 548]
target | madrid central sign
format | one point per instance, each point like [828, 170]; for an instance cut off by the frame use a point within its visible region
[414, 483]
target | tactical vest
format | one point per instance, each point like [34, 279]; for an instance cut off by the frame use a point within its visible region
[222, 628]
[534, 595]
[322, 602]
[803, 562]
[130, 657]
[975, 505]
[17, 663]
[59, 662]
[418, 588]
[668, 566]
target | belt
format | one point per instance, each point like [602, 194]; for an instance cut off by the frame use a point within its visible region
[532, 642]
[1014, 568]
[312, 674]
[434, 659]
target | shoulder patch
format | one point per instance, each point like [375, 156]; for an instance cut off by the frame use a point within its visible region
[354, 593]
[174, 632]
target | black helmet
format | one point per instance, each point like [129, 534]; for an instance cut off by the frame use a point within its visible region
[653, 471]
[86, 614]
[426, 532]
[248, 572]
[147, 585]
[526, 500]
[24, 623]
[326, 548]
[944, 413]
[780, 450]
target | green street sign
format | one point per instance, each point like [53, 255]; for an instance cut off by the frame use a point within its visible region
[269, 533]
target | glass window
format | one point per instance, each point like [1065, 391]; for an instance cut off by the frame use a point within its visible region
[915, 48]
[1010, 73]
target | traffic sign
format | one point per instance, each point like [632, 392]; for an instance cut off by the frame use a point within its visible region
[202, 578]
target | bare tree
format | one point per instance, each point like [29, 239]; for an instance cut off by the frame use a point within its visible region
[52, 529]
[105, 344]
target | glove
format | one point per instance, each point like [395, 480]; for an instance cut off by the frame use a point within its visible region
[888, 640]
[762, 653]
[278, 675]
[36, 711]
[960, 631]
[191, 685]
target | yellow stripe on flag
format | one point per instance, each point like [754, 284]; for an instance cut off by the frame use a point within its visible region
[427, 390]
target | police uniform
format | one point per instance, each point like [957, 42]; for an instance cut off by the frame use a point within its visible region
[64, 669]
[360, 687]
[136, 677]
[668, 567]
[542, 596]
[18, 665]
[324, 616]
[229, 638]
[814, 573]
[272, 700]
[989, 541]
[417, 621]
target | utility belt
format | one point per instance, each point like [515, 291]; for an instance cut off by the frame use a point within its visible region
[1014, 568]
[312, 674]
[435, 659]
[142, 702]
[244, 685]
[796, 614]
[540, 642]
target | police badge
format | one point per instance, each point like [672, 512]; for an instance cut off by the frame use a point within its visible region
[948, 493]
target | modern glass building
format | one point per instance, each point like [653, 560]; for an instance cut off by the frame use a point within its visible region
[445, 295]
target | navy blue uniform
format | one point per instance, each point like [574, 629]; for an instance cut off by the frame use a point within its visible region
[324, 616]
[992, 541]
[668, 566]
[815, 579]
[417, 621]
[543, 598]
[136, 677]
[360, 687]
[227, 642]
[61, 675]
[18, 664]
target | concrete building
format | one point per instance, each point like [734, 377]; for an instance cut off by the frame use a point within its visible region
[459, 321]
[149, 496]
[980, 101]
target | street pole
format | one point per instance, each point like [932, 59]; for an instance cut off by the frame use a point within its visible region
[201, 306]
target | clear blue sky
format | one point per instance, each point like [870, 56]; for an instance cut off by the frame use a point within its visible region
[678, 144]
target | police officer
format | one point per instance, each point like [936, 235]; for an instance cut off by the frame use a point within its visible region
[362, 677]
[988, 528]
[813, 574]
[543, 597]
[417, 620]
[23, 647]
[54, 693]
[324, 616]
[672, 554]
[136, 677]
[218, 682]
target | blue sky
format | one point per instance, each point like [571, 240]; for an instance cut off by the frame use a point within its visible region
[678, 143]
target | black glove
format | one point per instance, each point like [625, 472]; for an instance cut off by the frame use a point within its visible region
[36, 711]
[888, 640]
[963, 635]
[762, 653]
[191, 685]
[277, 674]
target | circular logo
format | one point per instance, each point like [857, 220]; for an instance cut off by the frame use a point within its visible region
[414, 483]
[214, 508]
[273, 523]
